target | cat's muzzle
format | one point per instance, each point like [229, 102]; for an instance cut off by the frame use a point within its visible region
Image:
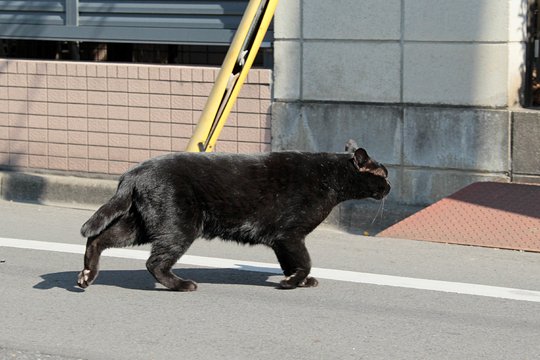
[381, 194]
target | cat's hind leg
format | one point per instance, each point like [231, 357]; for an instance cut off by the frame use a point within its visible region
[123, 232]
[295, 262]
[166, 250]
[94, 248]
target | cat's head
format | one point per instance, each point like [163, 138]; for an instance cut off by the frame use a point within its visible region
[375, 174]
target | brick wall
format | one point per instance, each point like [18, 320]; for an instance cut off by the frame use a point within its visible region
[103, 118]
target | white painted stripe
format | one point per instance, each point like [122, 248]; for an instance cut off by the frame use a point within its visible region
[331, 274]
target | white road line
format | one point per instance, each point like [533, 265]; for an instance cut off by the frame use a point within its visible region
[331, 274]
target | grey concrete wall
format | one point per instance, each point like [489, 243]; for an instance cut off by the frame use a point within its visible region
[526, 146]
[458, 52]
[428, 87]
[430, 151]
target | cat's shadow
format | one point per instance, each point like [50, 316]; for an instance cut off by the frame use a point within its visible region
[142, 280]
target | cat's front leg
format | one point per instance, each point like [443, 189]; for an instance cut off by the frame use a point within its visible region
[295, 262]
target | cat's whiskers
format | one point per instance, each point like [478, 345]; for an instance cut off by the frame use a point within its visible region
[379, 210]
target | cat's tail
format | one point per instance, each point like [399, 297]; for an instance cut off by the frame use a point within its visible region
[117, 206]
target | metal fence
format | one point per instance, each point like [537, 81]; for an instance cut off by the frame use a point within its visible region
[195, 22]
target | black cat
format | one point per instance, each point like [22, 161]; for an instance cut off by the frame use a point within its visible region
[274, 199]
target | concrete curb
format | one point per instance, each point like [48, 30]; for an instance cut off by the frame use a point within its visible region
[55, 189]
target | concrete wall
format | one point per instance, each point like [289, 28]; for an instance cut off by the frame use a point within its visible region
[426, 86]
[100, 119]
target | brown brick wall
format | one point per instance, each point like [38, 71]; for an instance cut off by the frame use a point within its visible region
[103, 118]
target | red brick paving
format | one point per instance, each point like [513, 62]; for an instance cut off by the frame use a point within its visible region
[487, 214]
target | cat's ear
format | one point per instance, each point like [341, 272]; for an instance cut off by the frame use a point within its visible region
[360, 157]
[351, 146]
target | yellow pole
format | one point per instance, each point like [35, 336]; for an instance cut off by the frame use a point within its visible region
[238, 61]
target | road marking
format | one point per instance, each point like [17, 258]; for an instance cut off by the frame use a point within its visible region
[330, 274]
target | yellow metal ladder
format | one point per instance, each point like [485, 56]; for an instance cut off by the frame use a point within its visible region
[231, 77]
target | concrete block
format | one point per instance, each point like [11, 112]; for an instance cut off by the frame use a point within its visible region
[358, 19]
[287, 20]
[456, 74]
[526, 143]
[351, 71]
[287, 69]
[327, 127]
[528, 179]
[457, 138]
[457, 20]
[424, 187]
[285, 115]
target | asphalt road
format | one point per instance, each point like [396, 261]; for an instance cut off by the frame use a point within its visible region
[239, 314]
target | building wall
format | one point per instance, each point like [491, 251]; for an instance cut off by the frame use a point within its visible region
[96, 119]
[428, 87]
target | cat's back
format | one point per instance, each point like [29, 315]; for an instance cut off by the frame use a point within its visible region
[230, 169]
[213, 162]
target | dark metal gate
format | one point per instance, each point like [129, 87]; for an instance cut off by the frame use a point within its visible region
[532, 61]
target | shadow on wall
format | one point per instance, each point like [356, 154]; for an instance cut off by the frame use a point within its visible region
[521, 199]
[22, 187]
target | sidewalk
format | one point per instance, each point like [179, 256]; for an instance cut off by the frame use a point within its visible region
[489, 214]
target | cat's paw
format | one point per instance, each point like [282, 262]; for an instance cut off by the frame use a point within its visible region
[85, 278]
[287, 284]
[309, 282]
[291, 282]
[185, 285]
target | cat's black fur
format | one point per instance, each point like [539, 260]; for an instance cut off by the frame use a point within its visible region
[274, 199]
